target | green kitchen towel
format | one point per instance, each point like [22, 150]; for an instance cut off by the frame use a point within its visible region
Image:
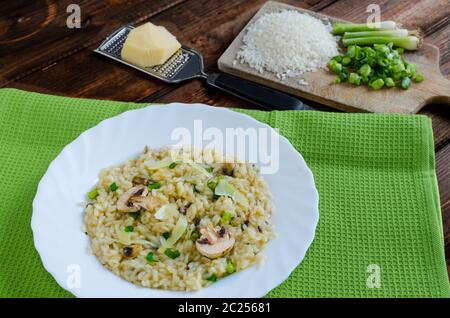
[380, 230]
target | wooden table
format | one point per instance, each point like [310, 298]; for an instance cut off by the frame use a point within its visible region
[39, 53]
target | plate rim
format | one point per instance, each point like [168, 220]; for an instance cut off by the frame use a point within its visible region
[75, 292]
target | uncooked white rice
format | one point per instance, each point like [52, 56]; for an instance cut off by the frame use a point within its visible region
[186, 186]
[288, 43]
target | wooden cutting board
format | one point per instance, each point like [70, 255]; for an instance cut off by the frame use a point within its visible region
[434, 89]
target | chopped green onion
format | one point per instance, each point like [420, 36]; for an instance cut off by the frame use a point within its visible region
[93, 194]
[389, 82]
[212, 184]
[212, 278]
[340, 28]
[338, 58]
[113, 187]
[419, 78]
[174, 164]
[411, 69]
[398, 68]
[365, 70]
[406, 83]
[150, 258]
[230, 269]
[383, 62]
[227, 216]
[335, 67]
[195, 235]
[382, 48]
[135, 215]
[377, 84]
[129, 228]
[172, 253]
[197, 189]
[376, 66]
[337, 80]
[346, 60]
[154, 185]
[396, 76]
[351, 51]
[343, 75]
[354, 79]
[209, 169]
[166, 235]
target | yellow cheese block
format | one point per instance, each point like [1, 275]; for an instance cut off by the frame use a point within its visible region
[149, 45]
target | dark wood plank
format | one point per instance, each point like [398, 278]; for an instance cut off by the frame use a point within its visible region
[443, 173]
[208, 26]
[441, 38]
[35, 32]
[440, 114]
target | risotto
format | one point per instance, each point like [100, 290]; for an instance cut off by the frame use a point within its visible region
[164, 220]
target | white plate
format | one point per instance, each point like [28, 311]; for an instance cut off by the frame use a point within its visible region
[57, 220]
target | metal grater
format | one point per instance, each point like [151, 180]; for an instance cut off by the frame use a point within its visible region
[183, 65]
[187, 64]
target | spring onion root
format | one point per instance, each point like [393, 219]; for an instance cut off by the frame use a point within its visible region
[340, 28]
[408, 42]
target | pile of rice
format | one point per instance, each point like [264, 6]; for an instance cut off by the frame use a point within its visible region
[185, 185]
[288, 43]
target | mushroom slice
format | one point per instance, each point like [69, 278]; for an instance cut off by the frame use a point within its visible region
[141, 181]
[148, 203]
[214, 244]
[137, 198]
[125, 204]
[228, 169]
[131, 251]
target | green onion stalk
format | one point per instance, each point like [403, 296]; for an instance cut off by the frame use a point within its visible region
[341, 28]
[366, 34]
[408, 42]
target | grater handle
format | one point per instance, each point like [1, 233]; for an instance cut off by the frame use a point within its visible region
[264, 96]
